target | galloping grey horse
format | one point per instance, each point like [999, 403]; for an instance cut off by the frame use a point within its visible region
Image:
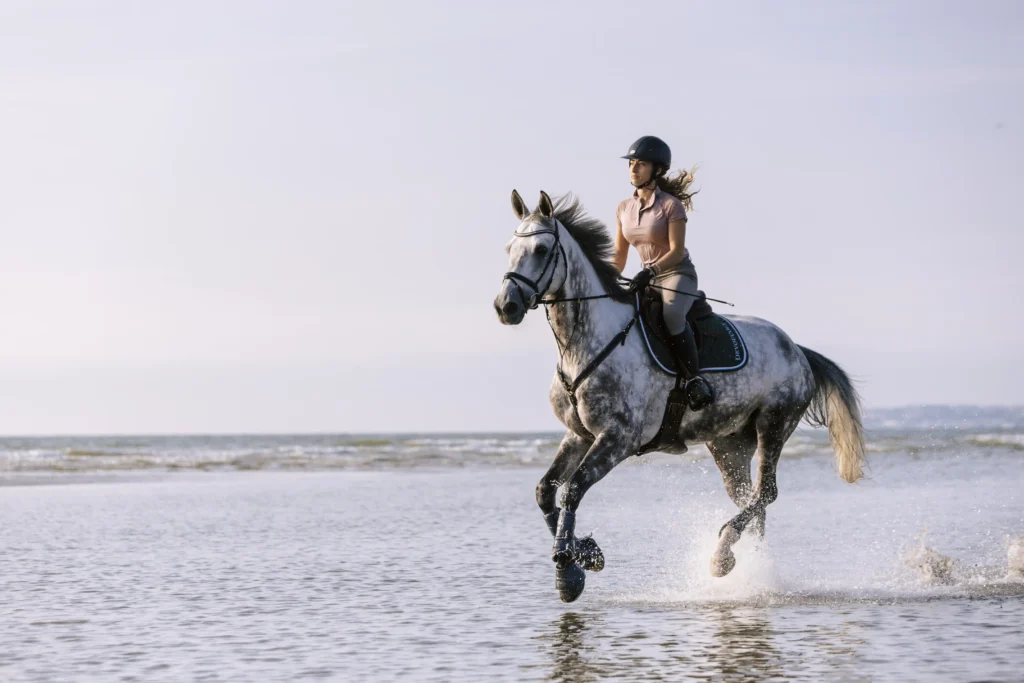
[610, 395]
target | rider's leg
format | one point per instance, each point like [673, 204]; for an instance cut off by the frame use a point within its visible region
[676, 306]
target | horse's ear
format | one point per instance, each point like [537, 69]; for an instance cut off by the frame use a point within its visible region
[546, 206]
[519, 206]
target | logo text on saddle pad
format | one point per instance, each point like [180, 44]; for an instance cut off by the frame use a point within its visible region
[739, 352]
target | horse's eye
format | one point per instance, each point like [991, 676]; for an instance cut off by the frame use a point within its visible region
[542, 250]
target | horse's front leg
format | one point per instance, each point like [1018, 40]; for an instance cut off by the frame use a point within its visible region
[570, 453]
[609, 449]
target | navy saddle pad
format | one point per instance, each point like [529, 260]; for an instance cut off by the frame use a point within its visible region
[720, 345]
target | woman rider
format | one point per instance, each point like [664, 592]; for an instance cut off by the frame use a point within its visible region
[654, 221]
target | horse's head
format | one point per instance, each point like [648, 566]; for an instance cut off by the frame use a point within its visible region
[536, 260]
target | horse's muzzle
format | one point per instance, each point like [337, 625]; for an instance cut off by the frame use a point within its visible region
[510, 308]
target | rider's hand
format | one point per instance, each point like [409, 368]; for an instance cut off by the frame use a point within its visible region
[641, 280]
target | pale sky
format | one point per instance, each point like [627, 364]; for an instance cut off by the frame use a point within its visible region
[279, 216]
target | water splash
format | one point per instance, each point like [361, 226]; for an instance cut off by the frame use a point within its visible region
[1015, 557]
[931, 566]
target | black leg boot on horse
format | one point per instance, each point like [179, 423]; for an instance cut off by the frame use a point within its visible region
[570, 577]
[699, 393]
[587, 552]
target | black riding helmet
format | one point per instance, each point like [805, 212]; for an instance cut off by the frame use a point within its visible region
[652, 149]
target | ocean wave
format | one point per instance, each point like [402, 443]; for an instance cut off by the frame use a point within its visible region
[390, 451]
[99, 454]
[1014, 441]
[370, 443]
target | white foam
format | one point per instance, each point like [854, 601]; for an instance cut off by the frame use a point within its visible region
[1015, 556]
[930, 566]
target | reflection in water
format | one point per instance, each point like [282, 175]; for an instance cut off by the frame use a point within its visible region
[741, 647]
[718, 642]
[571, 661]
[746, 646]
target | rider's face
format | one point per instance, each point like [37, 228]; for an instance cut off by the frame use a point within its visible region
[640, 172]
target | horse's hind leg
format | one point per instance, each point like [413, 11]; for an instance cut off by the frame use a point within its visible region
[773, 428]
[733, 453]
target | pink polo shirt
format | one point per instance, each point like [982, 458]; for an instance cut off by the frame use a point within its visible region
[646, 227]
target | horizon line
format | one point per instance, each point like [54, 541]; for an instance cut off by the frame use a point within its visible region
[438, 432]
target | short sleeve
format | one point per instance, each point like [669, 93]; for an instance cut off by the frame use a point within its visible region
[675, 210]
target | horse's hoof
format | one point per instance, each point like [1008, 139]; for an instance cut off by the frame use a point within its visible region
[723, 560]
[589, 554]
[720, 566]
[570, 580]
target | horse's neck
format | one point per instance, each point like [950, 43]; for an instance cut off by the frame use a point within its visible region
[583, 328]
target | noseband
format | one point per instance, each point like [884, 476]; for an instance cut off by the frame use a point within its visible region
[551, 262]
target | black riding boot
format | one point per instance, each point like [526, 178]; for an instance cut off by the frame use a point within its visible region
[698, 390]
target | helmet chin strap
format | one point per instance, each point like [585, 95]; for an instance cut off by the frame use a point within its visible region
[654, 179]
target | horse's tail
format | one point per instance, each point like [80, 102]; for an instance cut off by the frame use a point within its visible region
[836, 405]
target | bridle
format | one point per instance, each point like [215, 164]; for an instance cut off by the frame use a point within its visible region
[535, 299]
[551, 262]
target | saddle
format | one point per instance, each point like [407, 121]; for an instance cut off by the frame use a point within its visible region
[720, 348]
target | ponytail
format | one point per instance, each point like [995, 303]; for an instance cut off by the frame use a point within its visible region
[679, 187]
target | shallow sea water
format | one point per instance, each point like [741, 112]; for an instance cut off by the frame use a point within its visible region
[445, 574]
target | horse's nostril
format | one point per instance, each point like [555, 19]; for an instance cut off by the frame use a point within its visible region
[510, 308]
